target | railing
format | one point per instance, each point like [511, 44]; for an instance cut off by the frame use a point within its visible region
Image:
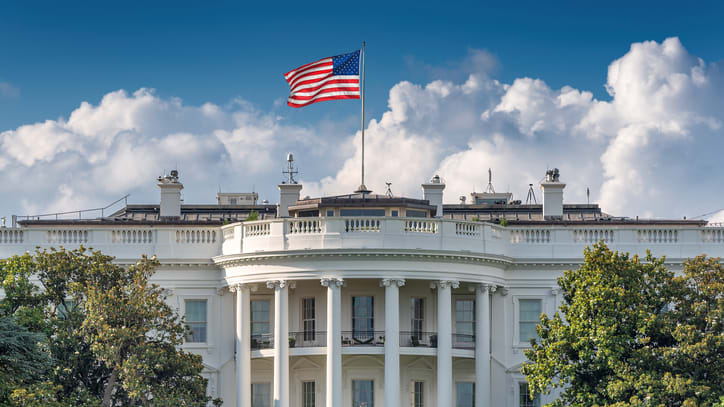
[363, 338]
[530, 236]
[421, 226]
[712, 235]
[418, 339]
[196, 236]
[362, 225]
[132, 236]
[263, 341]
[307, 339]
[257, 229]
[463, 341]
[305, 226]
[9, 236]
[67, 236]
[658, 236]
[591, 236]
[467, 229]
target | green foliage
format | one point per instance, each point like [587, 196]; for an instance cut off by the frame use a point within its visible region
[504, 222]
[253, 215]
[22, 359]
[632, 333]
[111, 336]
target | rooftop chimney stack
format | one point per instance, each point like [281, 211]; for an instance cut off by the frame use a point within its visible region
[289, 189]
[170, 195]
[552, 195]
[432, 191]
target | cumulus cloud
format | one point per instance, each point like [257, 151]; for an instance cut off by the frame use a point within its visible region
[651, 150]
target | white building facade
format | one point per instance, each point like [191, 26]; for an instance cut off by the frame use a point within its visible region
[364, 300]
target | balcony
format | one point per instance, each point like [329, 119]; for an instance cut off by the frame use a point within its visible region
[263, 341]
[307, 339]
[363, 338]
[463, 341]
[418, 339]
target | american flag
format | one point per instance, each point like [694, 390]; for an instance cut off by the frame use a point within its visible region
[327, 79]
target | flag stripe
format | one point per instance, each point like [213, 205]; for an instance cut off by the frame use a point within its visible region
[326, 79]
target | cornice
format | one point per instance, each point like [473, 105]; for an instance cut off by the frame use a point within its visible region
[376, 254]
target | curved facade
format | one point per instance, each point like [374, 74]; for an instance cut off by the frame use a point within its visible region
[322, 308]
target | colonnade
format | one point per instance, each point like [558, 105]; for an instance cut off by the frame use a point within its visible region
[392, 345]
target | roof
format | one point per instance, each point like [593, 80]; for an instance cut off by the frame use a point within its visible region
[149, 215]
[361, 200]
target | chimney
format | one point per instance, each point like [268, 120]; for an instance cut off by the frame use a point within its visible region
[288, 196]
[432, 192]
[552, 195]
[170, 195]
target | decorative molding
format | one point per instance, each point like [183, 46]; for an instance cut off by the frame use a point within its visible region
[504, 290]
[555, 291]
[276, 284]
[387, 282]
[449, 283]
[332, 282]
[483, 287]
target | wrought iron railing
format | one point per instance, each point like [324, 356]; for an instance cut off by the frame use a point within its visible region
[363, 338]
[463, 341]
[263, 341]
[307, 339]
[418, 339]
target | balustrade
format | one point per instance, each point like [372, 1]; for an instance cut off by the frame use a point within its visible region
[420, 226]
[132, 236]
[362, 225]
[305, 226]
[67, 236]
[10, 236]
[467, 229]
[257, 229]
[591, 236]
[196, 236]
[530, 236]
[712, 235]
[658, 236]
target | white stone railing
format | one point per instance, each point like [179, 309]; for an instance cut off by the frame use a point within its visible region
[467, 229]
[305, 226]
[712, 235]
[362, 225]
[256, 229]
[590, 236]
[421, 226]
[658, 236]
[530, 235]
[197, 236]
[67, 236]
[11, 236]
[132, 236]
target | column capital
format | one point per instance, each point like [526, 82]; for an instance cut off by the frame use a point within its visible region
[332, 282]
[555, 291]
[241, 286]
[448, 284]
[482, 287]
[276, 284]
[504, 291]
[387, 282]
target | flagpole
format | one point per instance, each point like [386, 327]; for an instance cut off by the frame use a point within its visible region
[362, 188]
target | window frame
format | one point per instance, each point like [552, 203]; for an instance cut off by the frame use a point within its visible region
[414, 402]
[269, 400]
[372, 389]
[188, 323]
[309, 335]
[305, 401]
[516, 315]
[471, 322]
[472, 383]
[252, 322]
[371, 326]
[416, 319]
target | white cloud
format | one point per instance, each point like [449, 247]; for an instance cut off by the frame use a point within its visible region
[653, 149]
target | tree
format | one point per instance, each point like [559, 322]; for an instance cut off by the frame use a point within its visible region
[111, 336]
[22, 361]
[631, 333]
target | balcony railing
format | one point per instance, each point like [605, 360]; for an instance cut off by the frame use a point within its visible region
[363, 338]
[418, 339]
[463, 341]
[263, 341]
[307, 339]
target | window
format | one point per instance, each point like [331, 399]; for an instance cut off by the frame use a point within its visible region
[465, 392]
[361, 212]
[417, 319]
[416, 214]
[308, 214]
[525, 400]
[308, 321]
[330, 212]
[528, 318]
[465, 320]
[363, 393]
[418, 396]
[260, 395]
[394, 213]
[260, 317]
[363, 323]
[196, 320]
[308, 395]
[232, 201]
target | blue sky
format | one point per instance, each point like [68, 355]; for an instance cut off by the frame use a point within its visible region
[54, 56]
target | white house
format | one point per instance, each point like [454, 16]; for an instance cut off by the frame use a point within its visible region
[364, 300]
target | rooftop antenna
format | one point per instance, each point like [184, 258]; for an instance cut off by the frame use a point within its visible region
[530, 199]
[588, 195]
[490, 189]
[389, 189]
[290, 170]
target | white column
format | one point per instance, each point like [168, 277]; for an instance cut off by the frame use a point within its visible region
[281, 342]
[392, 340]
[444, 343]
[482, 345]
[243, 345]
[334, 341]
